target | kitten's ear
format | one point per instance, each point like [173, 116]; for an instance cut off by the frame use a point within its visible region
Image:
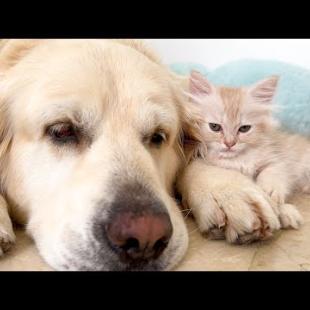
[199, 85]
[264, 90]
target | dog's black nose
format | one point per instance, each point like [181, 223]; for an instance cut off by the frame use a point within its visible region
[139, 237]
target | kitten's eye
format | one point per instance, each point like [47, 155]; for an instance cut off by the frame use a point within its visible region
[158, 138]
[215, 127]
[63, 133]
[245, 128]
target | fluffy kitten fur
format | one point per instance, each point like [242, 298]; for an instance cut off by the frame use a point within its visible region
[279, 162]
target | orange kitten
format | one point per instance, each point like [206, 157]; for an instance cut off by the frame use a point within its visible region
[241, 134]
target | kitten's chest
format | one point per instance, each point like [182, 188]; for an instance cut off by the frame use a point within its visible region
[248, 165]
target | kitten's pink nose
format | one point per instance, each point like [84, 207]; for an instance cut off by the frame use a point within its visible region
[230, 144]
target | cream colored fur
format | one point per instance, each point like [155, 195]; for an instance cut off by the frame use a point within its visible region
[117, 90]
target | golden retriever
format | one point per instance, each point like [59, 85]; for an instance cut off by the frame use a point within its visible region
[95, 137]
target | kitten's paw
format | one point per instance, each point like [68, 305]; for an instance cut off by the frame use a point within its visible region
[290, 216]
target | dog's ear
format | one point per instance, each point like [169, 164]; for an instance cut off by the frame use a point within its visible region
[191, 142]
[192, 122]
[142, 47]
[11, 52]
[5, 137]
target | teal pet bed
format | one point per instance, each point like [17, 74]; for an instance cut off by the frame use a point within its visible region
[293, 94]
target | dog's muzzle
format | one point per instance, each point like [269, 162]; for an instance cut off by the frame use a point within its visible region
[138, 227]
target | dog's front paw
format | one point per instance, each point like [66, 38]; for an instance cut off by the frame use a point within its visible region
[7, 236]
[6, 240]
[275, 190]
[240, 217]
[239, 211]
[290, 216]
[227, 204]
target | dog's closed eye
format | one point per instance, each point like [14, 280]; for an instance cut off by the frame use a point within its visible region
[156, 139]
[63, 133]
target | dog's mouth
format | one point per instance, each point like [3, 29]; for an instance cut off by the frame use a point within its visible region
[144, 265]
[78, 252]
[111, 264]
[97, 254]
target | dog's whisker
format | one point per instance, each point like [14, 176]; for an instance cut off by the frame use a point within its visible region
[188, 213]
[194, 230]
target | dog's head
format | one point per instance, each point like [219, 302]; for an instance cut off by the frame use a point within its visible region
[93, 134]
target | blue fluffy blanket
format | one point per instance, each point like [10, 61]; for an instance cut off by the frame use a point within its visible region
[293, 95]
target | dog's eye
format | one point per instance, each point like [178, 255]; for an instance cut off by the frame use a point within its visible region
[215, 127]
[63, 133]
[158, 138]
[245, 128]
